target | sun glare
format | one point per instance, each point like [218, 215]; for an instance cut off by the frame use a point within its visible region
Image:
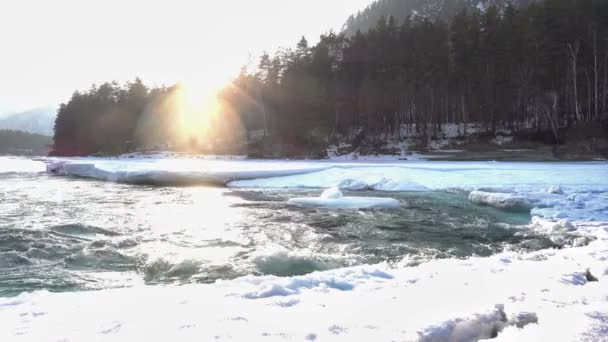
[197, 107]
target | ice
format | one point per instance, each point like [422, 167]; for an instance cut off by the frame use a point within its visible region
[332, 193]
[499, 200]
[333, 198]
[176, 171]
[380, 175]
[529, 296]
[347, 202]
[17, 165]
[416, 176]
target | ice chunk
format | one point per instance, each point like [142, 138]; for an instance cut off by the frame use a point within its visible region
[386, 184]
[551, 226]
[333, 199]
[353, 184]
[522, 319]
[555, 190]
[500, 200]
[332, 193]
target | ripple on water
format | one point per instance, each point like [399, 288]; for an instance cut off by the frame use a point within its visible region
[69, 234]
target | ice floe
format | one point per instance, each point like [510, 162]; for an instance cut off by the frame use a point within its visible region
[506, 201]
[176, 171]
[333, 198]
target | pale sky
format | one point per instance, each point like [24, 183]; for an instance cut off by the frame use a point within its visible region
[50, 48]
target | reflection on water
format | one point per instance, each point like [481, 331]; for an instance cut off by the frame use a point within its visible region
[70, 234]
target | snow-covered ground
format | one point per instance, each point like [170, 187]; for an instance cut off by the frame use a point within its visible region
[549, 295]
[447, 141]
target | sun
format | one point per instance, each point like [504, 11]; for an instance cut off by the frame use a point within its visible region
[197, 107]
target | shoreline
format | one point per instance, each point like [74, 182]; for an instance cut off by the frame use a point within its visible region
[506, 155]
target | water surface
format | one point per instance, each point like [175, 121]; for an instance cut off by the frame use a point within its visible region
[66, 234]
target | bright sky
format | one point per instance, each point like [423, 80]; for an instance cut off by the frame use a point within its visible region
[51, 48]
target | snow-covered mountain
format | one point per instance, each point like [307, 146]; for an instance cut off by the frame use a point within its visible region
[38, 121]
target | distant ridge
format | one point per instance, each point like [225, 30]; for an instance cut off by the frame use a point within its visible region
[23, 144]
[37, 121]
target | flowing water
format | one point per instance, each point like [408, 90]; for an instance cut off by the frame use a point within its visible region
[67, 234]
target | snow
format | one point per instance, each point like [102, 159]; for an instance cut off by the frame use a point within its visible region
[17, 165]
[547, 295]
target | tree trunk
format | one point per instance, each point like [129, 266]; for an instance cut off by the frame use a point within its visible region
[589, 96]
[605, 82]
[573, 57]
[595, 85]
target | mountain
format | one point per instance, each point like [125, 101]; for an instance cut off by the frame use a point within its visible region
[402, 9]
[22, 143]
[38, 121]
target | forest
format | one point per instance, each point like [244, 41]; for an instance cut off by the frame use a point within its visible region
[541, 66]
[23, 143]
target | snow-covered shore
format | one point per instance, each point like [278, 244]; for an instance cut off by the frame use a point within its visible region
[549, 295]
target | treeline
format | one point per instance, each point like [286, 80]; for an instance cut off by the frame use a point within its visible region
[23, 143]
[445, 10]
[543, 66]
[113, 119]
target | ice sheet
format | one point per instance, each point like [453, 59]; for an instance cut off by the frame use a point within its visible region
[177, 171]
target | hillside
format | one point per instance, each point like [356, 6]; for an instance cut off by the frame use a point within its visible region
[36, 121]
[402, 9]
[23, 143]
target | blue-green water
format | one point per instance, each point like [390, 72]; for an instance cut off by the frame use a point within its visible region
[66, 234]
